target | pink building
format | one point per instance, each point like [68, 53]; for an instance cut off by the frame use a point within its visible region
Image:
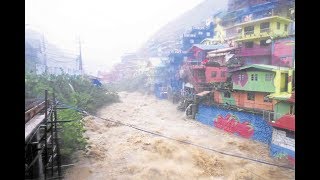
[216, 74]
[283, 52]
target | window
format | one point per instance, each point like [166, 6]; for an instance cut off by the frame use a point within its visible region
[208, 34]
[286, 27]
[269, 77]
[223, 74]
[227, 94]
[278, 25]
[264, 27]
[249, 30]
[254, 77]
[200, 32]
[241, 77]
[249, 44]
[191, 41]
[267, 99]
[292, 109]
[250, 96]
[290, 134]
[213, 73]
[201, 74]
[263, 43]
[283, 59]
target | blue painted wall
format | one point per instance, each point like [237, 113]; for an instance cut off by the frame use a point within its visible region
[262, 130]
[275, 150]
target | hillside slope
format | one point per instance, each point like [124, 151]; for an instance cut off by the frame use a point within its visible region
[168, 37]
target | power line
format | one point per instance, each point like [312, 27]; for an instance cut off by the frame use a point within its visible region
[182, 141]
[186, 142]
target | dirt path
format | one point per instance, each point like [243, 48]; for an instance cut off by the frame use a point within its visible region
[120, 152]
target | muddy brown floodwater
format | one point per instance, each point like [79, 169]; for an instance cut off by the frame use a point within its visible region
[121, 152]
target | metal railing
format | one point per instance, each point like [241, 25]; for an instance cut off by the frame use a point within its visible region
[42, 146]
[265, 30]
[248, 32]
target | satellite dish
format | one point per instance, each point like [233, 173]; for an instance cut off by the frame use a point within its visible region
[268, 41]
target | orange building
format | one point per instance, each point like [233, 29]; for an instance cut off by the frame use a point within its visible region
[244, 99]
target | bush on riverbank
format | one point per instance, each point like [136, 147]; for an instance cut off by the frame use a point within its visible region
[76, 91]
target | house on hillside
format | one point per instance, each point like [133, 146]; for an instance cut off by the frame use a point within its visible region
[256, 37]
[253, 10]
[195, 67]
[283, 123]
[253, 86]
[175, 62]
[196, 35]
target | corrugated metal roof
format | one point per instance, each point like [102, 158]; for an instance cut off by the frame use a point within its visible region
[210, 46]
[203, 93]
[261, 66]
[264, 19]
[285, 122]
[222, 50]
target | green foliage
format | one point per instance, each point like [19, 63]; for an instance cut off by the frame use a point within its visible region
[76, 91]
[71, 135]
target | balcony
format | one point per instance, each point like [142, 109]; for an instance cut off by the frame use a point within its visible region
[262, 28]
[248, 33]
[265, 30]
[256, 50]
[194, 64]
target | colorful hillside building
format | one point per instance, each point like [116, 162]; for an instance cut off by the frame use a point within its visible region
[252, 86]
[283, 135]
[196, 69]
[256, 38]
[248, 10]
[196, 35]
[175, 62]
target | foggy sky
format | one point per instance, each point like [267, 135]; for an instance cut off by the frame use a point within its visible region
[107, 28]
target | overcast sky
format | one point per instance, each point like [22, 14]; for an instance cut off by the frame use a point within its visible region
[107, 28]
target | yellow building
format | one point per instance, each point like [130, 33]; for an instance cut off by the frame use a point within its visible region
[264, 28]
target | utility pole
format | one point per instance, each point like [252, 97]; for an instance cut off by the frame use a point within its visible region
[80, 57]
[44, 54]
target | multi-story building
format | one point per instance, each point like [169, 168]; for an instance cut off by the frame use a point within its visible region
[197, 71]
[253, 85]
[256, 38]
[249, 10]
[175, 62]
[196, 35]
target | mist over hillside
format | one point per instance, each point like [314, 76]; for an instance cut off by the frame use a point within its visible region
[168, 37]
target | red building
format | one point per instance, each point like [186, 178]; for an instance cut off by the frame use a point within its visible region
[283, 52]
[195, 66]
[215, 74]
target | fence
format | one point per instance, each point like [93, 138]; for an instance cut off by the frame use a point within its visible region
[42, 146]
